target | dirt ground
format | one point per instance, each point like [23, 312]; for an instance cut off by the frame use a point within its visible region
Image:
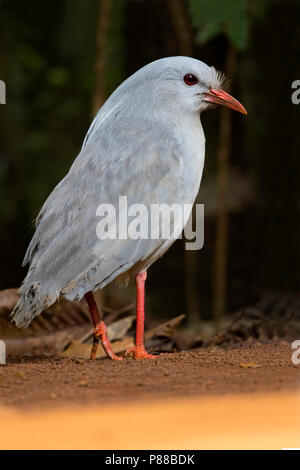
[237, 369]
[235, 397]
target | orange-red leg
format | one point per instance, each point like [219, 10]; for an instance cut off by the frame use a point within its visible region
[139, 348]
[100, 330]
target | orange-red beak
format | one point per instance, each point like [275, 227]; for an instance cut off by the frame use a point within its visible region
[218, 96]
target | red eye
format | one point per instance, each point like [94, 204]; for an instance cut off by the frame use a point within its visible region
[190, 79]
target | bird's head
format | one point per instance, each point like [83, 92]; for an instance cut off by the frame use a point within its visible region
[184, 84]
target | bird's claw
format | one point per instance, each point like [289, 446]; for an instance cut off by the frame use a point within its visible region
[139, 352]
[101, 333]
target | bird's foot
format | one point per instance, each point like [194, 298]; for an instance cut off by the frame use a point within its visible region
[100, 332]
[139, 352]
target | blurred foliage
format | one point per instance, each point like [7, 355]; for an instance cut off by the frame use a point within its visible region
[115, 54]
[47, 61]
[229, 17]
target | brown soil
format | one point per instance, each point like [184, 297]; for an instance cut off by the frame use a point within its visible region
[52, 380]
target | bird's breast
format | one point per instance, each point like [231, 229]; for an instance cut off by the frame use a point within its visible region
[191, 151]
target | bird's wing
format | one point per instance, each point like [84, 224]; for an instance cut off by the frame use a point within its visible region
[141, 163]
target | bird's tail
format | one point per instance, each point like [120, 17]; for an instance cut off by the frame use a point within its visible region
[34, 299]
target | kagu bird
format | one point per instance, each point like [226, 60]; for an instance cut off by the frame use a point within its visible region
[146, 143]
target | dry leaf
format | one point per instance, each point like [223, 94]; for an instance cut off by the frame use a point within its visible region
[61, 315]
[250, 365]
[165, 329]
[115, 331]
[76, 349]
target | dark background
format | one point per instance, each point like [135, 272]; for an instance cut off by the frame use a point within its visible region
[61, 58]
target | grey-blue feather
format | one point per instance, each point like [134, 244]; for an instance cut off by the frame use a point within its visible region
[144, 144]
